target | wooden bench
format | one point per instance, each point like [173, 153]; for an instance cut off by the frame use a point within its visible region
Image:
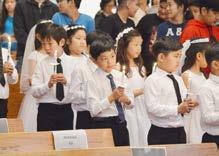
[15, 125]
[43, 141]
[208, 149]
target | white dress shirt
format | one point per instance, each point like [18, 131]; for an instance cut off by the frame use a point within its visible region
[41, 77]
[79, 77]
[161, 100]
[208, 98]
[9, 79]
[98, 91]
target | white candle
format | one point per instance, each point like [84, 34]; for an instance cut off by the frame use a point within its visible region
[54, 62]
[154, 67]
[122, 83]
[9, 47]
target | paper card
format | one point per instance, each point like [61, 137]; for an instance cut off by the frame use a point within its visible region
[149, 151]
[3, 125]
[70, 139]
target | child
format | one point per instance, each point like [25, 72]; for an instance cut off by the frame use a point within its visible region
[208, 98]
[106, 95]
[6, 26]
[164, 94]
[76, 42]
[128, 55]
[204, 25]
[28, 109]
[193, 79]
[50, 83]
[77, 93]
[8, 75]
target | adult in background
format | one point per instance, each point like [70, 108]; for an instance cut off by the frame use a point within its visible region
[68, 14]
[115, 23]
[148, 32]
[27, 14]
[106, 7]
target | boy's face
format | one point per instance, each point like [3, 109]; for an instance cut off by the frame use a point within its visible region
[170, 62]
[132, 7]
[106, 61]
[50, 46]
[162, 10]
[210, 17]
[63, 5]
[173, 10]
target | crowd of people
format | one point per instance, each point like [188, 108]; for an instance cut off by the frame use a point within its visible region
[147, 70]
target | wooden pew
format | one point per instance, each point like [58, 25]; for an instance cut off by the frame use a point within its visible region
[43, 141]
[15, 125]
[208, 149]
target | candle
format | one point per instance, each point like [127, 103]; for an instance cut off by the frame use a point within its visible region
[154, 67]
[9, 47]
[54, 63]
[122, 83]
[189, 94]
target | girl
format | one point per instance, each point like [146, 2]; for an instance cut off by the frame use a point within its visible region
[76, 42]
[28, 110]
[128, 55]
[6, 24]
[193, 77]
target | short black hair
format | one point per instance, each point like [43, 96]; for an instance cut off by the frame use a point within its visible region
[194, 3]
[77, 3]
[165, 45]
[101, 45]
[56, 32]
[103, 3]
[182, 2]
[212, 53]
[92, 36]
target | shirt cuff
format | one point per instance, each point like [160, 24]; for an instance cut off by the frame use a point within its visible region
[105, 104]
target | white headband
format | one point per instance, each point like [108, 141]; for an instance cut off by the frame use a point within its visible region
[188, 43]
[121, 34]
[74, 27]
[46, 21]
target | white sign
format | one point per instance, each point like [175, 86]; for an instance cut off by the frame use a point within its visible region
[70, 139]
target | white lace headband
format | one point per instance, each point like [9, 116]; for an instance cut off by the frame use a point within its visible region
[121, 34]
[74, 27]
[188, 43]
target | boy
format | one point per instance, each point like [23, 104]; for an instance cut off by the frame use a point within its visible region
[208, 98]
[50, 83]
[164, 94]
[79, 77]
[8, 75]
[175, 24]
[105, 98]
[204, 25]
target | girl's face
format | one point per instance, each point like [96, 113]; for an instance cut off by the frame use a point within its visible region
[201, 60]
[134, 47]
[109, 6]
[77, 43]
[10, 5]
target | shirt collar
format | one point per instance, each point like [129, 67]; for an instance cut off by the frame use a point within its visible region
[162, 72]
[214, 78]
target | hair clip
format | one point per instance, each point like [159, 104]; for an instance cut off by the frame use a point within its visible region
[74, 27]
[121, 34]
[188, 43]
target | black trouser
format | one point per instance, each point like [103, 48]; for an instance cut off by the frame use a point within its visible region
[158, 135]
[119, 130]
[54, 117]
[83, 120]
[3, 108]
[210, 138]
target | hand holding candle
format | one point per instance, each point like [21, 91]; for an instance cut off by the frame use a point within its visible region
[54, 63]
[9, 47]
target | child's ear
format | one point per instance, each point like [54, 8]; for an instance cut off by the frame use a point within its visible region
[198, 55]
[62, 42]
[215, 65]
[160, 57]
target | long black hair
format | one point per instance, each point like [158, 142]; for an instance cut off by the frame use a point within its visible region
[192, 52]
[122, 58]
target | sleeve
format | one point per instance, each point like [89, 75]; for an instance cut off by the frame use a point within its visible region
[90, 25]
[209, 113]
[55, 18]
[39, 87]
[95, 104]
[152, 93]
[19, 25]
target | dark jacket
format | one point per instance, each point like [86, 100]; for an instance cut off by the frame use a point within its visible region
[27, 14]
